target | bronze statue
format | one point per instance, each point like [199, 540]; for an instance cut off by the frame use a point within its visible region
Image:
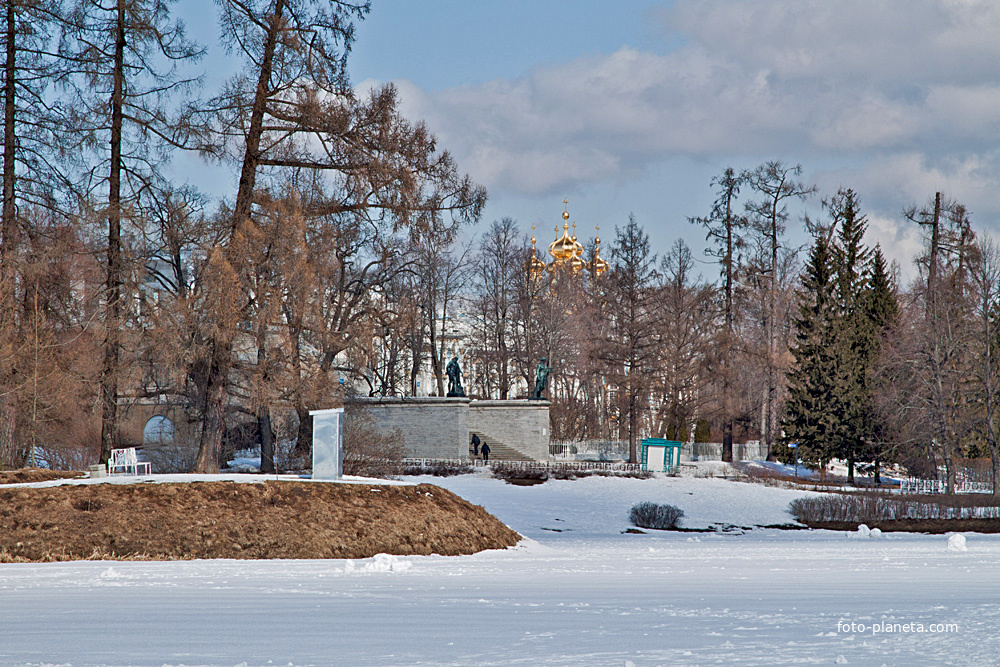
[454, 372]
[541, 378]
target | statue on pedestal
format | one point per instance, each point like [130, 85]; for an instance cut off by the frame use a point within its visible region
[542, 373]
[454, 372]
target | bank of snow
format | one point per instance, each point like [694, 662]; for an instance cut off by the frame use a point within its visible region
[599, 506]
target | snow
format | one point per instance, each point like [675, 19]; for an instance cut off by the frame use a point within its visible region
[577, 591]
[239, 477]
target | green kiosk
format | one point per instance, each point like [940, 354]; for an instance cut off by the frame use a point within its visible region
[660, 455]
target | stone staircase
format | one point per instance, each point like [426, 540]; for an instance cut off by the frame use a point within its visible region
[498, 450]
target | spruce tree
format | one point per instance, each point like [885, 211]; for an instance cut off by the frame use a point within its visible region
[881, 312]
[855, 344]
[814, 391]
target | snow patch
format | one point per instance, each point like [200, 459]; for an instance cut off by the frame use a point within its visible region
[380, 563]
[956, 542]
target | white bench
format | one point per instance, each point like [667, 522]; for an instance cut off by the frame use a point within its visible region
[125, 462]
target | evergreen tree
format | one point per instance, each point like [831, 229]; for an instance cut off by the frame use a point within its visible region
[881, 313]
[856, 348]
[815, 392]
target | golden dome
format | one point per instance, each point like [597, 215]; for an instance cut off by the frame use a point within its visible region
[598, 265]
[563, 248]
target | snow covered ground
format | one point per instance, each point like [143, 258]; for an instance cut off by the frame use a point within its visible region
[577, 591]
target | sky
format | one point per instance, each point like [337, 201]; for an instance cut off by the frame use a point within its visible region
[633, 107]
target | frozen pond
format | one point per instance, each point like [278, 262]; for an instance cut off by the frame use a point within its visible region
[577, 592]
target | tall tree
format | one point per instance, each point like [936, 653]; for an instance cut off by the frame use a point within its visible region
[32, 176]
[499, 262]
[816, 391]
[127, 57]
[777, 185]
[859, 336]
[633, 347]
[294, 110]
[724, 230]
[687, 325]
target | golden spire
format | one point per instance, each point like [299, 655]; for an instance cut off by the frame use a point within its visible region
[535, 266]
[598, 265]
[576, 263]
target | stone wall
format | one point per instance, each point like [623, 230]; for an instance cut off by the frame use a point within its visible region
[435, 427]
[522, 425]
[431, 427]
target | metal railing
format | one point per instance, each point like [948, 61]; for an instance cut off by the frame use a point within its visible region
[531, 465]
[914, 485]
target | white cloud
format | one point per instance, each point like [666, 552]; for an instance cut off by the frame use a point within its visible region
[905, 91]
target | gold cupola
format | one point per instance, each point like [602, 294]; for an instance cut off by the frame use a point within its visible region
[536, 267]
[598, 265]
[563, 248]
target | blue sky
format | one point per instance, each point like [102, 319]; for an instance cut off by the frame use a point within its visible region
[633, 106]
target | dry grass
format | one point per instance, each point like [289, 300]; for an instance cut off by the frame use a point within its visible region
[31, 475]
[270, 519]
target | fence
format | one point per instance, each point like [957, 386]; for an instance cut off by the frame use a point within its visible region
[914, 485]
[533, 465]
[607, 450]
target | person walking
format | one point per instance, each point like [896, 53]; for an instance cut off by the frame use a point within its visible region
[486, 453]
[475, 444]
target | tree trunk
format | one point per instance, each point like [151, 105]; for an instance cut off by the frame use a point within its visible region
[304, 439]
[633, 428]
[113, 296]
[266, 440]
[727, 441]
[8, 253]
[222, 341]
[214, 423]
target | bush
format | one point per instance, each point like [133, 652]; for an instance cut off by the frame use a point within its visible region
[870, 508]
[368, 452]
[507, 472]
[439, 469]
[702, 431]
[652, 515]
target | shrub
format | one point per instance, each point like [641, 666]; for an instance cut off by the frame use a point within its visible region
[368, 452]
[874, 507]
[702, 431]
[439, 469]
[653, 515]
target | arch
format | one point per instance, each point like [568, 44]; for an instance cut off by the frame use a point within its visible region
[159, 430]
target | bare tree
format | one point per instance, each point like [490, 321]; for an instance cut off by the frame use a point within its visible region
[498, 264]
[295, 111]
[632, 350]
[126, 66]
[776, 183]
[985, 285]
[687, 325]
[725, 228]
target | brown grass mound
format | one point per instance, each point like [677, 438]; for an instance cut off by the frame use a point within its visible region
[31, 475]
[269, 519]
